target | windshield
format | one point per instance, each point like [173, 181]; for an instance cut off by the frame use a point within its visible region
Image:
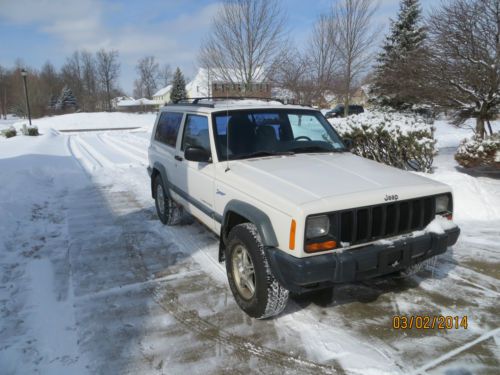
[265, 132]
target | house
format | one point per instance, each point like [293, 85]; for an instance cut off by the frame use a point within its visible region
[162, 96]
[137, 105]
[210, 82]
[115, 101]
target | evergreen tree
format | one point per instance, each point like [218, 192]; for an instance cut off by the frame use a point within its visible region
[178, 86]
[66, 100]
[400, 64]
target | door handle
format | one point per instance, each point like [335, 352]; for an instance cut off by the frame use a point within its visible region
[177, 157]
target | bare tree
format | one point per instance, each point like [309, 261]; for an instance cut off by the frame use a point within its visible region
[465, 63]
[108, 70]
[356, 36]
[149, 75]
[89, 77]
[322, 55]
[165, 75]
[71, 73]
[246, 38]
[138, 91]
[4, 87]
[291, 79]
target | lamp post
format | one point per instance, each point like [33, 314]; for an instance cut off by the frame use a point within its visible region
[24, 73]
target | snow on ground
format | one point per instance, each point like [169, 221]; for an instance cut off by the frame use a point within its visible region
[93, 283]
[85, 121]
[448, 135]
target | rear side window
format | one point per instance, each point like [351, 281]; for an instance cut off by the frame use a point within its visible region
[196, 132]
[168, 127]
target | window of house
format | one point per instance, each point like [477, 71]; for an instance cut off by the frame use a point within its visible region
[168, 128]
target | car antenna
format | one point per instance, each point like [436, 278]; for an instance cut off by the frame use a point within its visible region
[227, 133]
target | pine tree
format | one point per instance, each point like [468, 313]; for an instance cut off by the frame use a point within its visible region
[399, 65]
[66, 100]
[178, 86]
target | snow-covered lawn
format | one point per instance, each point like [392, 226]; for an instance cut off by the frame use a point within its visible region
[93, 283]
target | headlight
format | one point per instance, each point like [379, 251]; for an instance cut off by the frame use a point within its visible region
[317, 226]
[442, 204]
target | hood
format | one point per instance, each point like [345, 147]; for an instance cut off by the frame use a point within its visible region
[304, 178]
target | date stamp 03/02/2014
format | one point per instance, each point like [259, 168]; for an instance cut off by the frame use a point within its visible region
[429, 322]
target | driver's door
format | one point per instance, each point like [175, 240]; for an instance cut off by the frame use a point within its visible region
[196, 179]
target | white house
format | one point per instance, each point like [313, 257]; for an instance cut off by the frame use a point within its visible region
[136, 105]
[207, 82]
[162, 96]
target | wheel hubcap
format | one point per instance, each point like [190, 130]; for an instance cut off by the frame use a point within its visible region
[243, 271]
[160, 199]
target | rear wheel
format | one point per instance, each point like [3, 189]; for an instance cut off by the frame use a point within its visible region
[168, 211]
[254, 287]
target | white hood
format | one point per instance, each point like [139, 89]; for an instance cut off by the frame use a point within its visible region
[324, 178]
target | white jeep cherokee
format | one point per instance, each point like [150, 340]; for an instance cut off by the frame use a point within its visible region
[294, 209]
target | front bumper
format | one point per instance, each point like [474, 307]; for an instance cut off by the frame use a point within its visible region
[302, 274]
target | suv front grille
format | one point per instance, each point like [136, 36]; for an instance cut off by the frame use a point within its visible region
[365, 224]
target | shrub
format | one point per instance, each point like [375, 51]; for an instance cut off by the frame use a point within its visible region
[10, 132]
[30, 130]
[400, 140]
[477, 152]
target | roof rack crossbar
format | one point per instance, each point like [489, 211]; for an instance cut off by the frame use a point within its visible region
[179, 103]
[195, 101]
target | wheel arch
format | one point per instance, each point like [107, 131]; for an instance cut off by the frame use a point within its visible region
[158, 169]
[237, 212]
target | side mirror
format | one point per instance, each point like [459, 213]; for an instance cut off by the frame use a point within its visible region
[199, 154]
[348, 143]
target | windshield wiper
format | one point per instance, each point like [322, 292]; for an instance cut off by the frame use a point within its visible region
[263, 153]
[315, 149]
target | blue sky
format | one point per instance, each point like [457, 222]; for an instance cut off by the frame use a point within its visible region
[40, 30]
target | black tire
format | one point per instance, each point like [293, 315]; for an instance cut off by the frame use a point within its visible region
[172, 212]
[269, 297]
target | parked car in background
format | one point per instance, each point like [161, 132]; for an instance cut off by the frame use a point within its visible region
[338, 111]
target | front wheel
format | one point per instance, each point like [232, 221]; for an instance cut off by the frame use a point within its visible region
[252, 283]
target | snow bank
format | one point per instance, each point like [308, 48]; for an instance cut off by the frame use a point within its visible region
[93, 120]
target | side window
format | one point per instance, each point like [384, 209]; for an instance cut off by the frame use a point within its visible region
[168, 127]
[196, 132]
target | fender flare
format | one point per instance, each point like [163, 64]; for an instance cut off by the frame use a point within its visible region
[253, 215]
[163, 173]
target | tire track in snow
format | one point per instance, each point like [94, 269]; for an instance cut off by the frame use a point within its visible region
[124, 148]
[107, 156]
[190, 319]
[79, 152]
[168, 300]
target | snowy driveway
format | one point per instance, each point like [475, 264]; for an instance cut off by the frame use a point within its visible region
[93, 283]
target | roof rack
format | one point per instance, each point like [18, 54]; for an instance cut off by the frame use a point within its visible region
[196, 101]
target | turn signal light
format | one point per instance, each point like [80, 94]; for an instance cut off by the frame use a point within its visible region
[321, 246]
[291, 243]
[449, 216]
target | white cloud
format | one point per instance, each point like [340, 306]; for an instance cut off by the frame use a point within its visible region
[83, 24]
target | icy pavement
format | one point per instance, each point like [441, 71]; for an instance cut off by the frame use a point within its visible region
[93, 283]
